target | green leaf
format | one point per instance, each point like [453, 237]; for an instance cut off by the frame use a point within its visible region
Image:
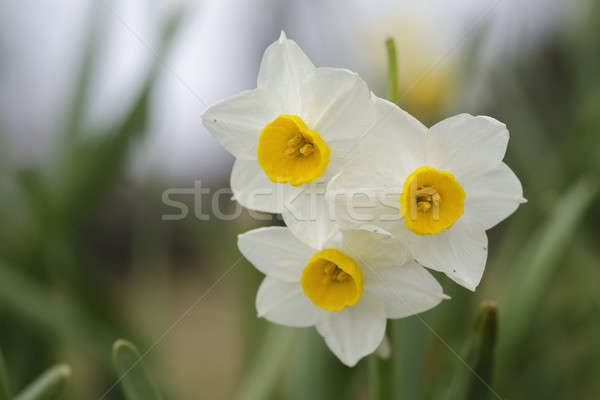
[408, 337]
[49, 386]
[132, 376]
[264, 374]
[4, 387]
[96, 161]
[473, 381]
[532, 271]
[380, 378]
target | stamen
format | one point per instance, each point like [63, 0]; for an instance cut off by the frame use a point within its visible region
[291, 152]
[295, 141]
[436, 198]
[341, 276]
[329, 268]
[307, 149]
[413, 199]
[423, 206]
[426, 190]
[424, 199]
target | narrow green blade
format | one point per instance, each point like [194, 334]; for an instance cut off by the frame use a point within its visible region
[131, 374]
[48, 386]
[265, 373]
[473, 381]
[532, 271]
[4, 388]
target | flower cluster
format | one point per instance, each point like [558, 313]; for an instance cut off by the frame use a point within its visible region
[370, 197]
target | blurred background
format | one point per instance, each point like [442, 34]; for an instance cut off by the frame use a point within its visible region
[100, 105]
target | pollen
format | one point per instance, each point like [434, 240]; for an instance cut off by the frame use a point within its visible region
[332, 280]
[431, 201]
[289, 152]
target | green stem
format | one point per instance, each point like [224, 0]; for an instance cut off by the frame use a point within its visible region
[392, 89]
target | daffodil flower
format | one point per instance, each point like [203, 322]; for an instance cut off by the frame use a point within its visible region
[347, 288]
[437, 189]
[290, 135]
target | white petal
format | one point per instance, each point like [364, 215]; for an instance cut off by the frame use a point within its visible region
[284, 303]
[309, 216]
[373, 251]
[460, 252]
[254, 190]
[366, 192]
[237, 121]
[493, 196]
[397, 140]
[275, 252]
[365, 196]
[355, 331]
[342, 151]
[467, 146]
[337, 104]
[404, 289]
[283, 69]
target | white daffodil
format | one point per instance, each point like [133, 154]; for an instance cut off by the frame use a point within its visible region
[436, 189]
[347, 288]
[290, 135]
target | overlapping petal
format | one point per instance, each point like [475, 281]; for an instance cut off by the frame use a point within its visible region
[236, 122]
[254, 190]
[374, 251]
[355, 331]
[283, 70]
[493, 196]
[309, 215]
[284, 303]
[337, 104]
[404, 290]
[460, 252]
[275, 252]
[468, 146]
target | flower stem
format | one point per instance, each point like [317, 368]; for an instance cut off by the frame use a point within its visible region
[392, 89]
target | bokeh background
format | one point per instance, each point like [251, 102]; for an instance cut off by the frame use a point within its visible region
[100, 104]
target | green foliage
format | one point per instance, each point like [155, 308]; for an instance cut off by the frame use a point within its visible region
[132, 376]
[58, 300]
[49, 386]
[4, 387]
[474, 372]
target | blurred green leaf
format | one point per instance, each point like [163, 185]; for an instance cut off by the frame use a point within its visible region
[408, 356]
[381, 377]
[531, 273]
[4, 386]
[83, 83]
[131, 374]
[96, 161]
[474, 382]
[56, 315]
[262, 376]
[313, 372]
[49, 386]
